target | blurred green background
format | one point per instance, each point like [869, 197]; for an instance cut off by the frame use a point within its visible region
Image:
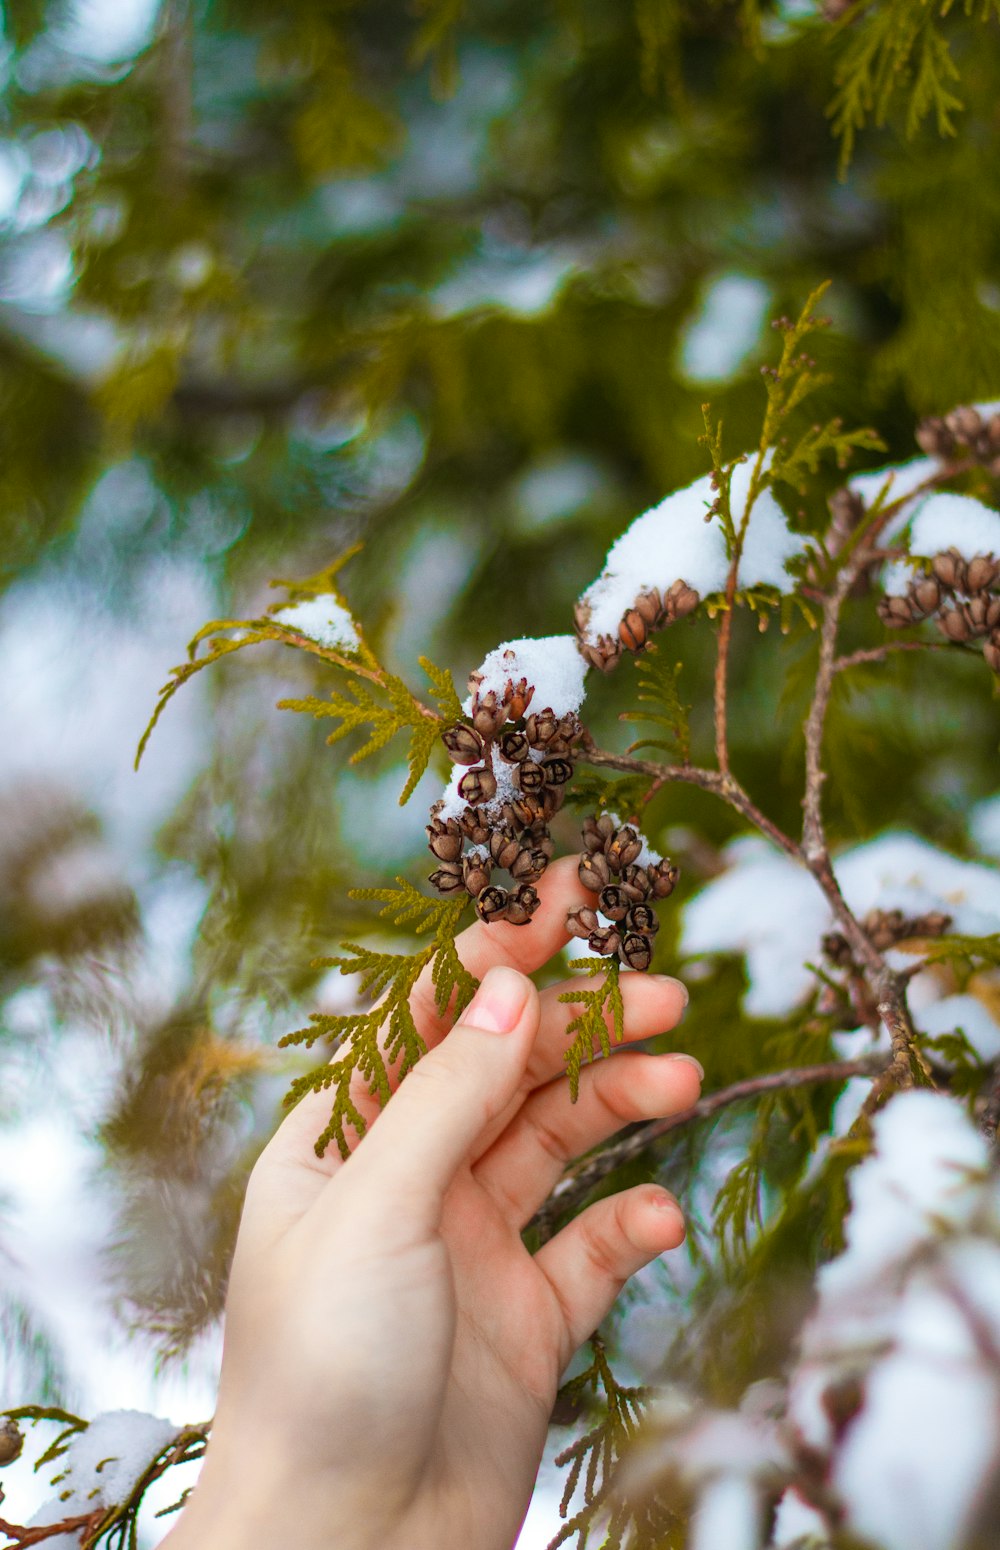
[454, 280]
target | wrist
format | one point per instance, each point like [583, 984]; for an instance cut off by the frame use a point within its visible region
[264, 1507]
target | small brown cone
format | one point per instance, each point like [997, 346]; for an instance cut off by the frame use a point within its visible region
[477, 786]
[642, 919]
[11, 1443]
[445, 839]
[514, 747]
[464, 744]
[624, 849]
[614, 902]
[606, 940]
[475, 874]
[492, 904]
[582, 921]
[522, 904]
[636, 951]
[448, 878]
[595, 872]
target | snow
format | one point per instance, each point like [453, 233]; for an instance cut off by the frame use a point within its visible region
[728, 1513]
[971, 1016]
[673, 542]
[646, 857]
[911, 1464]
[324, 620]
[796, 1520]
[453, 806]
[917, 1178]
[947, 521]
[102, 1464]
[902, 479]
[984, 826]
[551, 663]
[725, 329]
[770, 908]
[554, 489]
[515, 281]
[900, 1313]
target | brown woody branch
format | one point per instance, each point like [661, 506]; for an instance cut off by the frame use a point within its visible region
[723, 786]
[188, 1446]
[584, 1175]
[85, 1526]
[879, 653]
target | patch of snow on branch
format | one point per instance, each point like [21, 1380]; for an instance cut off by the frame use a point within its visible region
[103, 1464]
[551, 663]
[901, 1319]
[797, 1526]
[769, 908]
[453, 806]
[729, 1513]
[902, 479]
[947, 521]
[673, 542]
[324, 620]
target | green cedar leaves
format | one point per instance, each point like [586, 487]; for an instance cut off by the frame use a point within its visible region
[589, 1030]
[373, 701]
[369, 1043]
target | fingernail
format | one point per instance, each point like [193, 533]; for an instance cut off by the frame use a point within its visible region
[664, 1201]
[499, 1001]
[668, 979]
[691, 1062]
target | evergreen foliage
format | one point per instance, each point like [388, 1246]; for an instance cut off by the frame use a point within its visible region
[590, 1460]
[589, 1030]
[371, 1042]
[429, 288]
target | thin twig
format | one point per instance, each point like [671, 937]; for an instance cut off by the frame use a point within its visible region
[582, 1177]
[720, 785]
[879, 653]
[20, 1537]
[989, 1119]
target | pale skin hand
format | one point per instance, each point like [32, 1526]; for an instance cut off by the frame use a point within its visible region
[392, 1350]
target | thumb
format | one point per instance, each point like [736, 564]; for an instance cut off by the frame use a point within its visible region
[429, 1127]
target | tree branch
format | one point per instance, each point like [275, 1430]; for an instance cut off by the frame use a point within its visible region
[879, 653]
[715, 781]
[84, 1526]
[582, 1177]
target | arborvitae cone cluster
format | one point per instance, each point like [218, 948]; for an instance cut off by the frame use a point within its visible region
[626, 893]
[533, 757]
[964, 432]
[11, 1442]
[650, 611]
[884, 929]
[962, 596]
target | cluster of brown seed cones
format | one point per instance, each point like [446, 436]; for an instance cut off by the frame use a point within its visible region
[533, 756]
[885, 929]
[965, 431]
[652, 610]
[626, 893]
[962, 596]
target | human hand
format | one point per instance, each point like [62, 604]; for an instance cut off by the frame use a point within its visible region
[392, 1350]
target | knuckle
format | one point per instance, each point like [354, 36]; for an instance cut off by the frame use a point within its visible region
[600, 1246]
